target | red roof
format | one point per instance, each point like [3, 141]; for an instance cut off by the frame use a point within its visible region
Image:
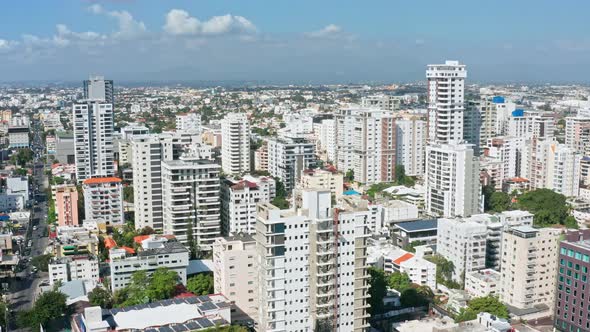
[109, 243]
[140, 238]
[101, 180]
[187, 294]
[129, 250]
[403, 258]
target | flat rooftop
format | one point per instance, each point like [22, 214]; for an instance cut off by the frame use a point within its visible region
[418, 225]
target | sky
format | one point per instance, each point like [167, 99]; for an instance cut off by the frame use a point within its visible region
[293, 41]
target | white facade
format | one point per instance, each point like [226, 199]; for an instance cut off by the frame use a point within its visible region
[446, 101]
[18, 137]
[452, 180]
[288, 157]
[482, 283]
[77, 268]
[382, 102]
[509, 152]
[557, 167]
[411, 145]
[366, 143]
[236, 274]
[93, 139]
[235, 143]
[103, 200]
[307, 262]
[577, 134]
[190, 190]
[463, 243]
[188, 122]
[149, 151]
[239, 200]
[420, 271]
[154, 254]
[18, 186]
[531, 125]
[328, 139]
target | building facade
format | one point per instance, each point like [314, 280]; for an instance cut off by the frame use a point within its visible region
[103, 200]
[235, 143]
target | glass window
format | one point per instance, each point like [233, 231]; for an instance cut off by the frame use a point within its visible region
[570, 253]
[563, 251]
[585, 258]
[578, 255]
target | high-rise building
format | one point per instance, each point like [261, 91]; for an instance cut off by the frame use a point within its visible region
[149, 151]
[103, 200]
[93, 139]
[288, 157]
[188, 122]
[509, 152]
[462, 242]
[66, 205]
[235, 143]
[239, 198]
[98, 89]
[190, 198]
[577, 134]
[411, 145]
[452, 180]
[366, 143]
[328, 139]
[236, 274]
[446, 85]
[529, 266]
[261, 158]
[571, 309]
[531, 125]
[313, 267]
[557, 167]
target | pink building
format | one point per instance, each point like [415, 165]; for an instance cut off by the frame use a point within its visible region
[66, 205]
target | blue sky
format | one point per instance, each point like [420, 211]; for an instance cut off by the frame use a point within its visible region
[288, 41]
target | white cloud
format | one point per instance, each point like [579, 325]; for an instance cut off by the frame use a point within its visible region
[329, 31]
[128, 27]
[179, 22]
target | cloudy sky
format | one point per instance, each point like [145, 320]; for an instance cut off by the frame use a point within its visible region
[293, 41]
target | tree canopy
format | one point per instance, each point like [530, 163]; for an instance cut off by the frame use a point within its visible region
[489, 304]
[377, 290]
[549, 207]
[201, 284]
[143, 289]
[49, 306]
[100, 297]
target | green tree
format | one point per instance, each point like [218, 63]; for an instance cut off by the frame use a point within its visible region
[487, 192]
[377, 290]
[489, 304]
[41, 262]
[162, 284]
[201, 284]
[49, 306]
[128, 194]
[192, 243]
[499, 201]
[100, 297]
[135, 291]
[411, 298]
[349, 175]
[465, 314]
[399, 281]
[549, 207]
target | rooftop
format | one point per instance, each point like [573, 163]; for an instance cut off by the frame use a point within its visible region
[101, 180]
[167, 248]
[418, 225]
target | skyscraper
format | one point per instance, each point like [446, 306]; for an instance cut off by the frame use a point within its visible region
[93, 139]
[235, 143]
[98, 89]
[411, 145]
[446, 101]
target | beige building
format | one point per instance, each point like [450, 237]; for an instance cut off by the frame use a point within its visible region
[236, 277]
[323, 179]
[529, 266]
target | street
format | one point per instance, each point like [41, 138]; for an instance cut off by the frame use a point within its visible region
[24, 288]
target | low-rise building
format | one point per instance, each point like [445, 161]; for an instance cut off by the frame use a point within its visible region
[156, 252]
[194, 313]
[482, 283]
[73, 268]
[323, 179]
[417, 231]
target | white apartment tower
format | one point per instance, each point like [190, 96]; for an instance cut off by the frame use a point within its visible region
[411, 145]
[188, 122]
[239, 199]
[452, 180]
[462, 242]
[556, 167]
[328, 139]
[190, 198]
[99, 89]
[446, 84]
[288, 157]
[577, 134]
[366, 144]
[235, 143]
[313, 267]
[149, 151]
[103, 200]
[93, 139]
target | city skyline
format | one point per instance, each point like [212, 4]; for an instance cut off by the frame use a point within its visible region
[311, 43]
